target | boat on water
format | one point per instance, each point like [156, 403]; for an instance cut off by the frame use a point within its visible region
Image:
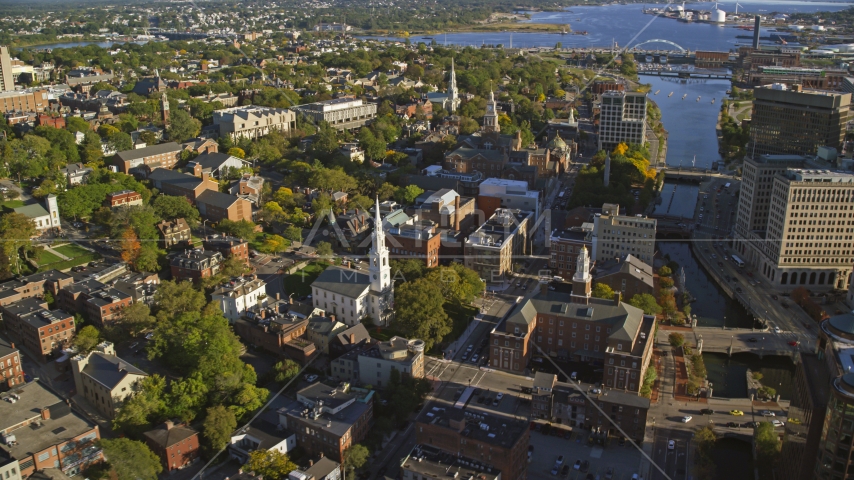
[698, 99]
[656, 92]
[713, 101]
[683, 96]
[671, 94]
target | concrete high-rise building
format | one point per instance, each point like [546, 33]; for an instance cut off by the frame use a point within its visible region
[616, 235]
[797, 121]
[795, 227]
[622, 119]
[7, 83]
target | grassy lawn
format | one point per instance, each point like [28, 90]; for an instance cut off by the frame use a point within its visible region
[299, 283]
[45, 258]
[65, 264]
[71, 250]
[12, 203]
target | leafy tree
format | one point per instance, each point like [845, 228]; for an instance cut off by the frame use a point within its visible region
[767, 443]
[293, 233]
[242, 229]
[120, 141]
[356, 457]
[16, 230]
[419, 312]
[270, 464]
[326, 141]
[131, 459]
[237, 152]
[136, 318]
[766, 392]
[645, 302]
[286, 370]
[665, 283]
[665, 271]
[170, 207]
[676, 339]
[146, 406]
[602, 290]
[186, 397]
[386, 191]
[218, 426]
[407, 270]
[407, 195]
[373, 146]
[274, 244]
[182, 126]
[77, 124]
[176, 298]
[324, 249]
[459, 285]
[130, 246]
[86, 340]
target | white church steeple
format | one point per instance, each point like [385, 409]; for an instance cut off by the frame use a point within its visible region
[453, 100]
[490, 119]
[380, 270]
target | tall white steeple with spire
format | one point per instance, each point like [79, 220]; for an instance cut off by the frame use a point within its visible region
[582, 281]
[453, 101]
[380, 270]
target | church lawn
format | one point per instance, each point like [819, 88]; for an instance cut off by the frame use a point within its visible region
[70, 250]
[44, 257]
[299, 283]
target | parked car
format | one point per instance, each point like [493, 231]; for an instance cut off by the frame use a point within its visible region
[736, 413]
[767, 413]
[732, 425]
[687, 418]
[707, 411]
[585, 465]
[311, 378]
[577, 465]
[671, 444]
[777, 423]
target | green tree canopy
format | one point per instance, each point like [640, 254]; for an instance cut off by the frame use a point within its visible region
[170, 207]
[602, 290]
[86, 340]
[218, 427]
[131, 459]
[182, 126]
[419, 312]
[270, 463]
[645, 302]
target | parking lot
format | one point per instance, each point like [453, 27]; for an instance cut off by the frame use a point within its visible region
[624, 460]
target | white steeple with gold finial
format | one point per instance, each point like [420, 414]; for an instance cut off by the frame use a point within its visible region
[490, 119]
[380, 269]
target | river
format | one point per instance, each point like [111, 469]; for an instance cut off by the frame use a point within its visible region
[82, 44]
[728, 375]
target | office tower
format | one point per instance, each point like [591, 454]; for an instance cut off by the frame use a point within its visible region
[797, 121]
[622, 119]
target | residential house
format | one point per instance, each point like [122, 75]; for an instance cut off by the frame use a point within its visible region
[215, 164]
[201, 145]
[104, 379]
[195, 264]
[123, 198]
[176, 445]
[250, 187]
[174, 232]
[276, 329]
[236, 295]
[228, 246]
[75, 173]
[321, 330]
[323, 469]
[260, 435]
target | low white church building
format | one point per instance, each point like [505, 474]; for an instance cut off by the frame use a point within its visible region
[44, 217]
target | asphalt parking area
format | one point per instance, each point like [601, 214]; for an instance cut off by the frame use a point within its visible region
[625, 460]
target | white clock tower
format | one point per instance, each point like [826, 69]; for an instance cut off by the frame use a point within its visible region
[490, 119]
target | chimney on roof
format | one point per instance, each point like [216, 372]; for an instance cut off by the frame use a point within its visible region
[321, 454]
[169, 424]
[263, 313]
[311, 463]
[13, 344]
[352, 339]
[332, 317]
[617, 297]
[457, 213]
[278, 296]
[45, 413]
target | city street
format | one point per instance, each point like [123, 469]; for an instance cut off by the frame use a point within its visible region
[672, 460]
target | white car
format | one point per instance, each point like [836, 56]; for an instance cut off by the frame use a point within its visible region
[777, 423]
[671, 444]
[474, 358]
[311, 378]
[687, 418]
[499, 396]
[768, 413]
[777, 330]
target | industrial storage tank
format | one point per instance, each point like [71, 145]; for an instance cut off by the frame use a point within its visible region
[719, 16]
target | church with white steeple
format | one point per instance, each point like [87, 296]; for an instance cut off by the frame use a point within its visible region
[449, 101]
[353, 296]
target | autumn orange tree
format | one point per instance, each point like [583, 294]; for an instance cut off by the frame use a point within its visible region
[130, 246]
